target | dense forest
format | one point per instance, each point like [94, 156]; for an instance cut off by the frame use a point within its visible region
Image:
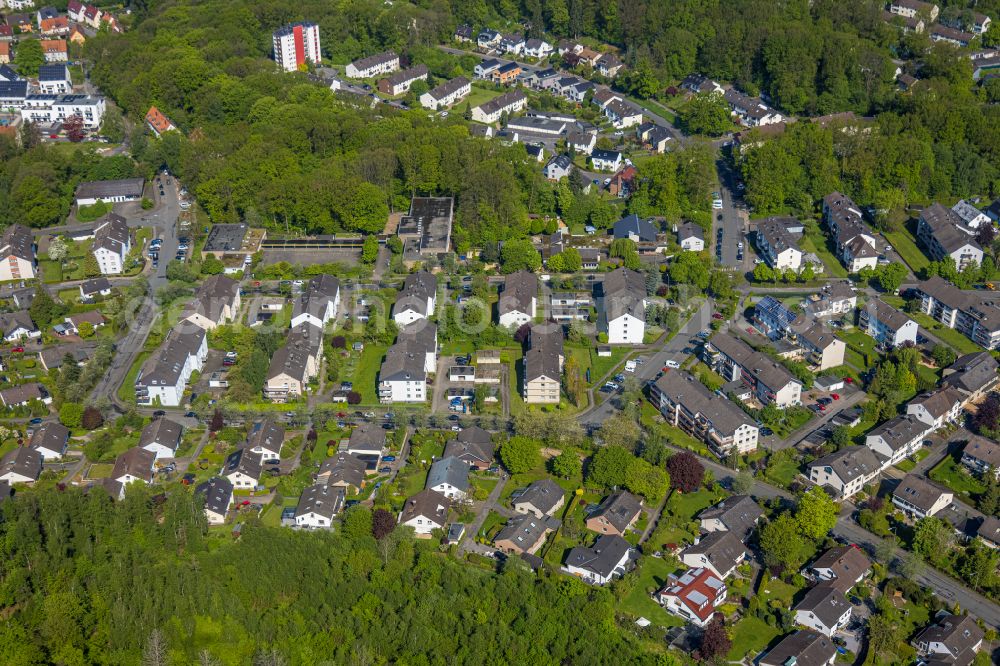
[89, 581]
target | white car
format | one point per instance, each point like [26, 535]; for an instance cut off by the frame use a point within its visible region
[673, 364]
[717, 204]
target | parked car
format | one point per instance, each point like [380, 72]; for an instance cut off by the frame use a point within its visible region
[673, 364]
[835, 396]
[35, 421]
[385, 470]
[389, 458]
[272, 461]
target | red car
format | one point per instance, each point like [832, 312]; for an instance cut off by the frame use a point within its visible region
[717, 316]
[835, 396]
[245, 503]
[18, 350]
[848, 380]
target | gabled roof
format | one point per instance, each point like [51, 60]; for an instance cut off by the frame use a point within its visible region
[105, 189]
[850, 462]
[525, 530]
[343, 468]
[759, 366]
[374, 60]
[137, 462]
[417, 288]
[406, 75]
[112, 234]
[899, 431]
[690, 230]
[217, 493]
[959, 633]
[451, 471]
[12, 321]
[245, 461]
[939, 401]
[17, 241]
[824, 601]
[682, 388]
[481, 452]
[803, 648]
[919, 492]
[847, 563]
[971, 372]
[620, 509]
[161, 431]
[95, 286]
[602, 557]
[519, 290]
[698, 589]
[367, 436]
[983, 449]
[543, 356]
[426, 504]
[322, 500]
[51, 436]
[738, 513]
[22, 460]
[722, 549]
[214, 294]
[544, 495]
[634, 225]
[624, 293]
[159, 122]
[448, 87]
[267, 435]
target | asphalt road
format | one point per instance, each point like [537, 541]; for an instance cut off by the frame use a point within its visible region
[731, 223]
[673, 350]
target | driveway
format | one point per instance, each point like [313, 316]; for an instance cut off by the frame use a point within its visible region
[469, 540]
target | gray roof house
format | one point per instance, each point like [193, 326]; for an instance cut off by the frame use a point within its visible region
[449, 477]
[803, 648]
[721, 552]
[598, 564]
[542, 498]
[824, 608]
[474, 450]
[738, 514]
[50, 440]
[616, 514]
[635, 228]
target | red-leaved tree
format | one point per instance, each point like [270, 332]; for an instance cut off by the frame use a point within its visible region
[686, 472]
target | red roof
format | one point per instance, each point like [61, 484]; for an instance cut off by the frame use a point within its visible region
[159, 122]
[74, 6]
[53, 46]
[55, 24]
[6, 30]
[698, 589]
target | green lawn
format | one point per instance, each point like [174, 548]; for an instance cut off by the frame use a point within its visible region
[100, 470]
[126, 391]
[815, 241]
[949, 336]
[952, 474]
[906, 465]
[365, 376]
[51, 271]
[599, 366]
[858, 340]
[651, 574]
[476, 97]
[650, 419]
[905, 245]
[750, 636]
[782, 472]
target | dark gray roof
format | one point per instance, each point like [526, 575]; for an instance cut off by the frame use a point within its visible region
[899, 431]
[518, 291]
[292, 359]
[137, 462]
[95, 286]
[803, 648]
[164, 367]
[602, 557]
[971, 372]
[824, 601]
[453, 471]
[738, 513]
[847, 563]
[470, 452]
[543, 495]
[22, 460]
[111, 233]
[405, 75]
[959, 633]
[683, 389]
[690, 230]
[367, 436]
[23, 393]
[343, 468]
[502, 102]
[226, 237]
[321, 291]
[162, 431]
[417, 288]
[105, 189]
[980, 448]
[11, 321]
[17, 240]
[243, 460]
[13, 89]
[919, 492]
[620, 509]
[51, 436]
[624, 293]
[850, 462]
[267, 435]
[759, 366]
[321, 499]
[53, 72]
[474, 434]
[989, 530]
[428, 504]
[894, 319]
[542, 357]
[371, 61]
[217, 493]
[214, 294]
[525, 530]
[722, 549]
[634, 225]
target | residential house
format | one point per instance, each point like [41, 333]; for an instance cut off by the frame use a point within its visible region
[989, 532]
[897, 438]
[737, 514]
[609, 65]
[372, 66]
[842, 567]
[403, 375]
[216, 302]
[318, 505]
[803, 648]
[772, 316]
[693, 595]
[952, 639]
[855, 242]
[294, 365]
[981, 455]
[50, 440]
[158, 123]
[921, 498]
[558, 167]
[845, 471]
[687, 404]
[400, 82]
[616, 514]
[425, 512]
[720, 552]
[472, 445]
[623, 183]
[972, 375]
[163, 377]
[524, 534]
[691, 237]
[449, 477]
[367, 440]
[217, 494]
[56, 109]
[914, 8]
[109, 191]
[318, 303]
[4, 52]
[508, 103]
[488, 39]
[242, 468]
[970, 216]
[943, 33]
[624, 306]
[416, 300]
[824, 609]
[54, 50]
[605, 160]
[821, 348]
[484, 68]
[944, 234]
[599, 564]
[980, 23]
[55, 26]
[938, 407]
[542, 498]
[974, 315]
[343, 470]
[20, 465]
[518, 304]
[537, 48]
[112, 242]
[635, 229]
[751, 111]
[887, 325]
[700, 84]
[543, 363]
[162, 436]
[265, 439]
[833, 300]
[17, 253]
[90, 289]
[768, 380]
[778, 245]
[581, 142]
[54, 80]
[15, 326]
[512, 43]
[24, 394]
[446, 94]
[135, 464]
[622, 114]
[463, 33]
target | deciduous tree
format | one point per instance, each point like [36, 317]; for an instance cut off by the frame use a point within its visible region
[686, 472]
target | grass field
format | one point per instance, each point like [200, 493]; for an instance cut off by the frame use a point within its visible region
[598, 365]
[476, 97]
[51, 271]
[905, 245]
[815, 241]
[952, 474]
[652, 574]
[126, 391]
[949, 336]
[750, 636]
[366, 372]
